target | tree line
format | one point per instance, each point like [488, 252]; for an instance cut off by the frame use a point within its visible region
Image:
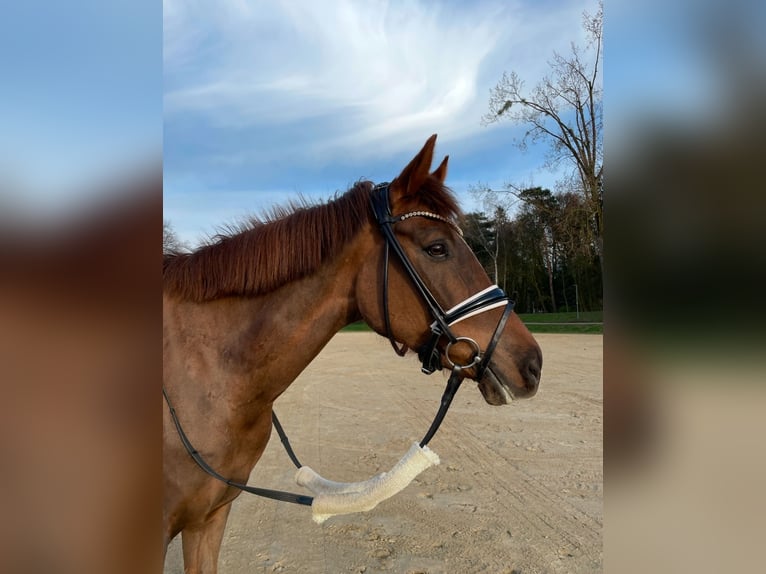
[549, 256]
[545, 256]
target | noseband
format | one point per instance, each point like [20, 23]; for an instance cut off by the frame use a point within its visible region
[490, 298]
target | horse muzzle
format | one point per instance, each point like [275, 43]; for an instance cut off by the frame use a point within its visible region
[498, 388]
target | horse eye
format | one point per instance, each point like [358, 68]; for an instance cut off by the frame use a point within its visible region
[437, 250]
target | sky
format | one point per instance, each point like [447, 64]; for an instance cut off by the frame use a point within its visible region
[247, 104]
[270, 100]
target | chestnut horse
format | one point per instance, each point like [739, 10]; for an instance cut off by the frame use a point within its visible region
[244, 315]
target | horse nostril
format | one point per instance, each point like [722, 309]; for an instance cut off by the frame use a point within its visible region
[533, 370]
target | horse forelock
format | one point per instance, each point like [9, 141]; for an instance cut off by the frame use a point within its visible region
[265, 253]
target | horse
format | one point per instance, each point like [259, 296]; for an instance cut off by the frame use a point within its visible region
[245, 313]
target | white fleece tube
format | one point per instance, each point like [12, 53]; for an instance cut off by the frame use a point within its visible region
[333, 498]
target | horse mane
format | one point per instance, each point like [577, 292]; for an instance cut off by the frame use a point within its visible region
[288, 244]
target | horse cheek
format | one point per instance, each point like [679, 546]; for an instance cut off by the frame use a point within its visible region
[369, 296]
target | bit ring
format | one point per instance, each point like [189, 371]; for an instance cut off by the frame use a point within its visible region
[476, 358]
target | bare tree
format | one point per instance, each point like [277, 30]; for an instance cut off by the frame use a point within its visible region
[170, 241]
[485, 236]
[564, 109]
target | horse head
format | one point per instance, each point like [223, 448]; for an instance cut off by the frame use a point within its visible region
[485, 340]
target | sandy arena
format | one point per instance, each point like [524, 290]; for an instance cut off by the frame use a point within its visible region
[519, 488]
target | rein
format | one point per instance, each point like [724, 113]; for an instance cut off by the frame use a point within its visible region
[265, 492]
[429, 355]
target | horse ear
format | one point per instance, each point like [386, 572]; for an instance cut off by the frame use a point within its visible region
[415, 174]
[440, 172]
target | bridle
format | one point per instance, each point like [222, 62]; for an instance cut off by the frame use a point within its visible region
[430, 355]
[490, 298]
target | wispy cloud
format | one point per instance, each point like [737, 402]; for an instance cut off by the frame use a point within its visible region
[370, 57]
[264, 94]
[389, 69]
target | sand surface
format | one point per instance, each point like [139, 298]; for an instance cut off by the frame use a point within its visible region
[519, 487]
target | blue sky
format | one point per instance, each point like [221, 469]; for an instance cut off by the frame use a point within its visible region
[259, 102]
[267, 100]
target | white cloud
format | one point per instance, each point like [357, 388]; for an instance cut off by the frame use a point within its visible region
[269, 99]
[374, 71]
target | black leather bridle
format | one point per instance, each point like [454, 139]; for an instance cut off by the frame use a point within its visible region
[490, 298]
[430, 355]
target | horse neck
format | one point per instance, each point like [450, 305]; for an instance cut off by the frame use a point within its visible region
[301, 317]
[249, 349]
